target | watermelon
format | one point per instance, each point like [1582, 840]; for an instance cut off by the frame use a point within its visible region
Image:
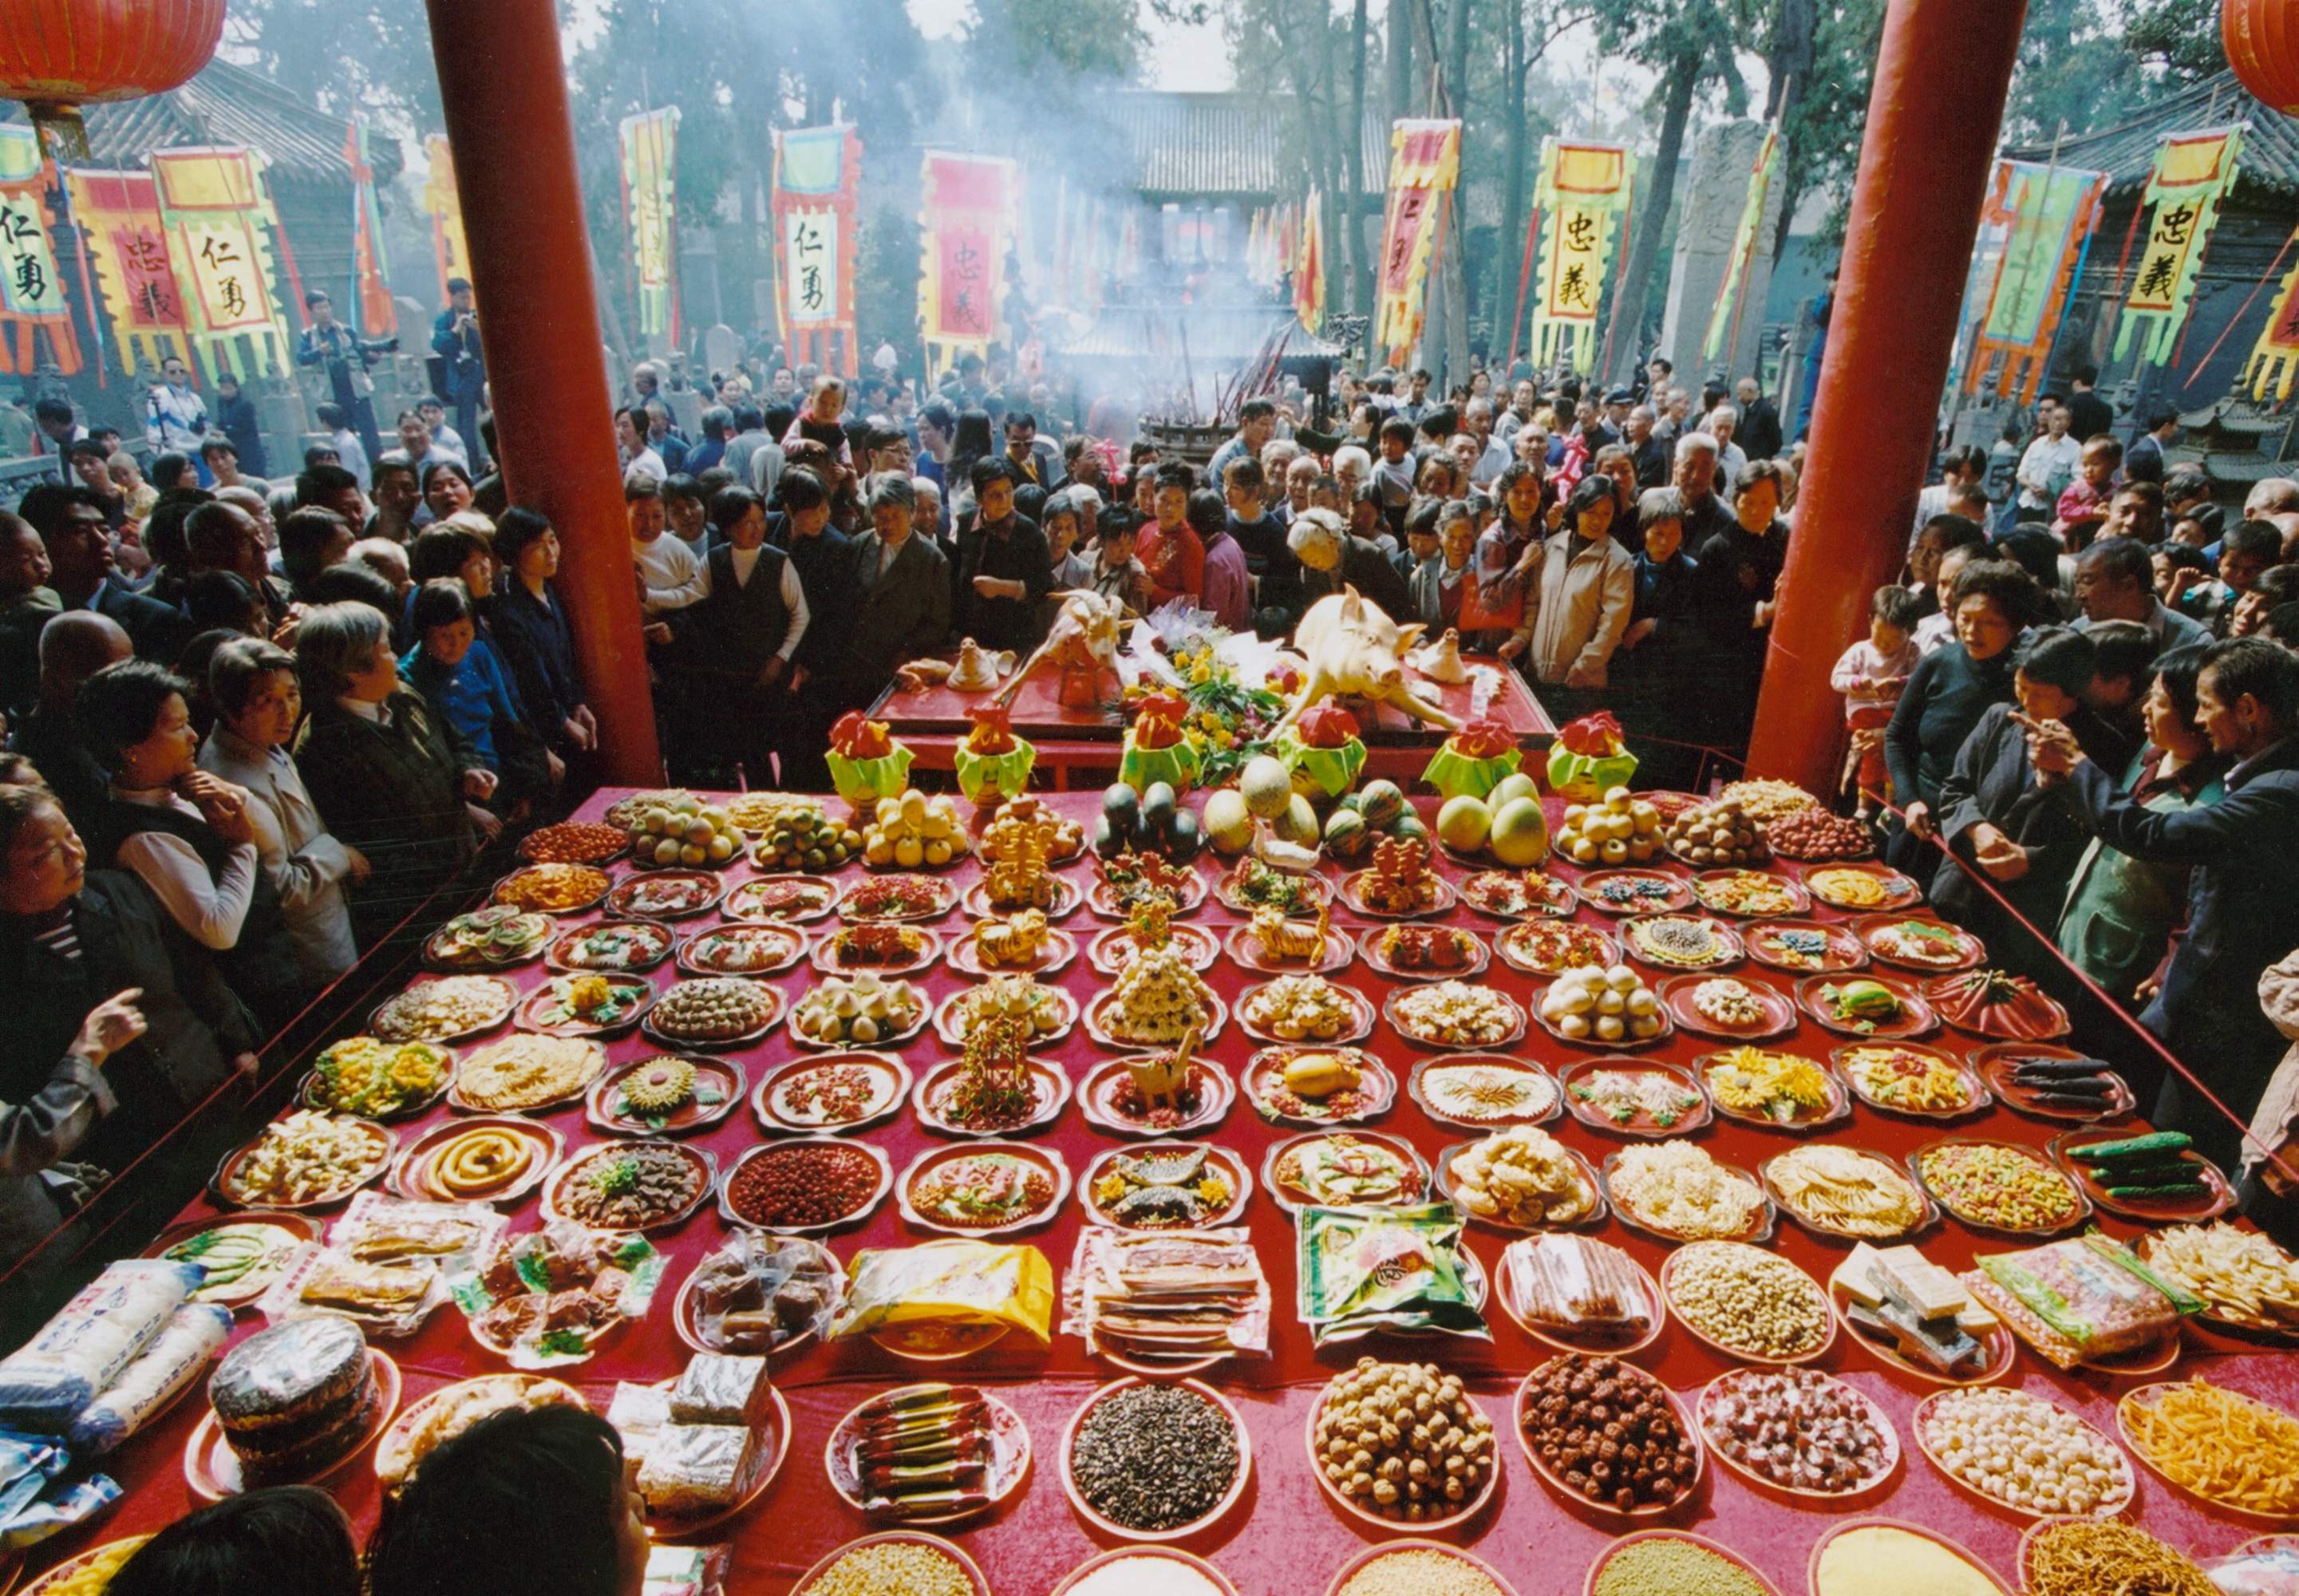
[1381, 802]
[1346, 836]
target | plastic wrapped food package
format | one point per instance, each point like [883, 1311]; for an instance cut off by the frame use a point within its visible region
[172, 1361]
[947, 1283]
[1397, 1269]
[2092, 1298]
[82, 1349]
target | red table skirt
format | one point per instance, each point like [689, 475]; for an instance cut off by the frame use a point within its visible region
[1283, 1539]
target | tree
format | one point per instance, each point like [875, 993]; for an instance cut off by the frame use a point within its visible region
[1689, 42]
[1353, 244]
[344, 56]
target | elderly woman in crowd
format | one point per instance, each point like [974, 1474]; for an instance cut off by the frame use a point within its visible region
[391, 776]
[1950, 688]
[1736, 575]
[185, 834]
[258, 702]
[91, 971]
[1334, 558]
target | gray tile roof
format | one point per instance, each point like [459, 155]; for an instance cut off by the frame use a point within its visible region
[1234, 142]
[2269, 164]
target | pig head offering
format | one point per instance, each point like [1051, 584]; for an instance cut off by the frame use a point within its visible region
[1354, 650]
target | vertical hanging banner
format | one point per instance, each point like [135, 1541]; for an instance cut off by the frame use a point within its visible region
[31, 294]
[968, 218]
[1583, 193]
[2274, 364]
[1424, 162]
[1761, 176]
[1309, 267]
[2194, 172]
[218, 216]
[650, 144]
[2037, 221]
[818, 172]
[373, 315]
[118, 213]
[445, 207]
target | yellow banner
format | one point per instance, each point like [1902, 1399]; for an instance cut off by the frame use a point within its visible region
[1425, 164]
[219, 218]
[2193, 173]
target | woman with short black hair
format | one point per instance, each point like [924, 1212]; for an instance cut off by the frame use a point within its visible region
[446, 488]
[286, 1540]
[1989, 603]
[532, 1501]
[529, 625]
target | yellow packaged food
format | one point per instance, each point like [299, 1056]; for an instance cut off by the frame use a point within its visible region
[947, 1283]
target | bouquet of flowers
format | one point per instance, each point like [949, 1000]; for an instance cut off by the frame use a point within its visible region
[1474, 759]
[993, 763]
[1588, 758]
[866, 764]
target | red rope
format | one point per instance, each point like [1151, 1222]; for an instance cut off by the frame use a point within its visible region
[2241, 311]
[1524, 282]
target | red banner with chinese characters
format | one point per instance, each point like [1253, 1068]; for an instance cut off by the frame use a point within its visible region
[1425, 164]
[969, 220]
[2274, 366]
[118, 213]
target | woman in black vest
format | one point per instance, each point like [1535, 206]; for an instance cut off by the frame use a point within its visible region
[187, 836]
[821, 688]
[735, 646]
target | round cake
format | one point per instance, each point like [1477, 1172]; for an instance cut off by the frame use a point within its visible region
[293, 1398]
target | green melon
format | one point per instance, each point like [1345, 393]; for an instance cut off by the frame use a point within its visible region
[1463, 823]
[1516, 784]
[1228, 822]
[1298, 823]
[1519, 835]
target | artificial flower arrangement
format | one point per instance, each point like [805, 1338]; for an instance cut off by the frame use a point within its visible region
[865, 763]
[1322, 749]
[1588, 758]
[1473, 761]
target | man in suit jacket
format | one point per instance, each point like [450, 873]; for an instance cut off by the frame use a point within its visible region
[70, 521]
[2144, 461]
[904, 587]
[2241, 913]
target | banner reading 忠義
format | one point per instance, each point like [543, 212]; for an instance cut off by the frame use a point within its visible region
[31, 294]
[2273, 367]
[968, 218]
[1744, 244]
[216, 213]
[2038, 222]
[1583, 192]
[118, 215]
[816, 175]
[1425, 163]
[2193, 173]
[650, 145]
[443, 205]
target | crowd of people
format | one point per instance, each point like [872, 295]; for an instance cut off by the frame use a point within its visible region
[256, 726]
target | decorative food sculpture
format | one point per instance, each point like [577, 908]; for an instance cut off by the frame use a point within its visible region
[1354, 650]
[1082, 643]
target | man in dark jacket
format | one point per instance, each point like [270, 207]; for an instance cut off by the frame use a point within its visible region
[70, 521]
[2243, 912]
[455, 341]
[1004, 571]
[1760, 422]
[346, 358]
[903, 591]
[821, 684]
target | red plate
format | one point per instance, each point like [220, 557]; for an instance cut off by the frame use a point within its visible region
[635, 995]
[240, 1293]
[386, 1145]
[1513, 1022]
[1440, 1167]
[667, 894]
[1599, 888]
[1625, 1041]
[1512, 1295]
[2217, 1198]
[2000, 1346]
[1357, 1027]
[1694, 1116]
[1098, 1092]
[1920, 1425]
[1263, 1074]
[1758, 1230]
[794, 899]
[1764, 1587]
[686, 1312]
[827, 957]
[1716, 1390]
[1102, 897]
[886, 1081]
[1220, 1509]
[1766, 942]
[1605, 1510]
[1715, 891]
[1046, 1162]
[1977, 1099]
[1390, 1155]
[1349, 1506]
[1915, 1017]
[767, 1455]
[1316, 890]
[1677, 994]
[751, 948]
[947, 1022]
[1010, 1464]
[1928, 1211]
[1979, 1569]
[934, 896]
[1502, 893]
[1538, 1081]
[771, 1011]
[1375, 941]
[1055, 955]
[1994, 1063]
[515, 884]
[1231, 1167]
[1436, 896]
[855, 1215]
[1113, 950]
[1096, 1023]
[2036, 1017]
[1066, 898]
[644, 944]
[211, 1468]
[1899, 890]
[929, 1097]
[1839, 1104]
[1637, 932]
[411, 1172]
[699, 1162]
[1945, 948]
[2140, 1396]
[2079, 1213]
[719, 1079]
[1546, 947]
[503, 997]
[1244, 947]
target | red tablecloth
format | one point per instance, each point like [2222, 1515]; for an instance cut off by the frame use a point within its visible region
[1283, 1539]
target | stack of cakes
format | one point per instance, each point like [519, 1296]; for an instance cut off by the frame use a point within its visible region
[294, 1399]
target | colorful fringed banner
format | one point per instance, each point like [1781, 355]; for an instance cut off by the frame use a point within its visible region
[650, 146]
[2194, 172]
[818, 171]
[2037, 220]
[219, 224]
[31, 294]
[1423, 166]
[1722, 316]
[1584, 191]
[967, 224]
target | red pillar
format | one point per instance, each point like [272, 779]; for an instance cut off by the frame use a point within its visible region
[504, 91]
[1941, 78]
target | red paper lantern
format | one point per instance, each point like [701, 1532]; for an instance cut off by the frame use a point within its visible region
[57, 56]
[2262, 40]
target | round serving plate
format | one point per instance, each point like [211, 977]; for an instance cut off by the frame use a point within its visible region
[977, 1584]
[1715, 1548]
[1179, 1531]
[1232, 1169]
[1048, 1162]
[1605, 1511]
[1094, 1091]
[546, 1147]
[1111, 950]
[685, 1317]
[1819, 1303]
[889, 1086]
[1594, 1345]
[1370, 945]
[1964, 1553]
[1009, 1448]
[1920, 1426]
[1144, 1551]
[1878, 1418]
[765, 1466]
[869, 1205]
[701, 1160]
[1052, 1089]
[1841, 951]
[2139, 1396]
[721, 1079]
[1677, 995]
[2000, 1346]
[1057, 953]
[1349, 1507]
[211, 1468]
[812, 899]
[1358, 1027]
[1996, 1061]
[785, 943]
[1243, 945]
[1414, 1544]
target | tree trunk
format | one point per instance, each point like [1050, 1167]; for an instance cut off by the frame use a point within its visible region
[1398, 63]
[1628, 329]
[1352, 229]
[1456, 263]
[1328, 164]
[1791, 65]
[1509, 258]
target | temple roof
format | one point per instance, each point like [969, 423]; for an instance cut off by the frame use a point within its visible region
[1228, 142]
[2269, 161]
